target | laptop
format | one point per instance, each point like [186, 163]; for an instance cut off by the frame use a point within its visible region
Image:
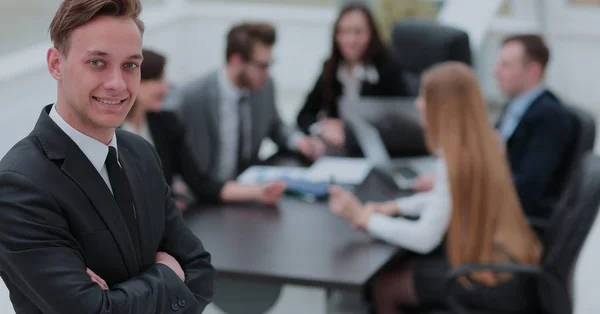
[387, 179]
[393, 116]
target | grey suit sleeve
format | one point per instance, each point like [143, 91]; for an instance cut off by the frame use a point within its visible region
[43, 260]
[206, 187]
[188, 115]
[282, 134]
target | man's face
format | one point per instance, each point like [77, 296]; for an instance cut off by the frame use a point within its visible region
[99, 77]
[255, 72]
[512, 69]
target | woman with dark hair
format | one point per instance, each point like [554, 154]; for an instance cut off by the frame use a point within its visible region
[164, 130]
[359, 65]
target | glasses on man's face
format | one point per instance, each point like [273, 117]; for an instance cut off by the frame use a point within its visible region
[263, 66]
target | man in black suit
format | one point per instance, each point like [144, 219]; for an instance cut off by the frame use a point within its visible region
[87, 224]
[536, 127]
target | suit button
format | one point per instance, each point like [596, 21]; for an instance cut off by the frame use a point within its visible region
[174, 307]
[181, 303]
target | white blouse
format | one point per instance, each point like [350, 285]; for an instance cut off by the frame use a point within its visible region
[351, 82]
[426, 233]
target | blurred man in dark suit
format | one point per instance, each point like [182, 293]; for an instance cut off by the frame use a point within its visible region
[536, 127]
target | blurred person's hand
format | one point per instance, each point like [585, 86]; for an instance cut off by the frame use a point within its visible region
[97, 279]
[171, 262]
[311, 147]
[424, 183]
[347, 206]
[270, 193]
[181, 204]
[389, 208]
[332, 132]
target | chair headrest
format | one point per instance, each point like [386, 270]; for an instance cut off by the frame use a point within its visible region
[419, 44]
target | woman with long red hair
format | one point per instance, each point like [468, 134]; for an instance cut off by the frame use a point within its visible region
[473, 206]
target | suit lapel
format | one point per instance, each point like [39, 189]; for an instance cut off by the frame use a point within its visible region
[130, 165]
[80, 170]
[58, 146]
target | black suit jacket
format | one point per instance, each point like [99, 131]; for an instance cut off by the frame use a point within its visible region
[539, 153]
[391, 83]
[169, 141]
[58, 217]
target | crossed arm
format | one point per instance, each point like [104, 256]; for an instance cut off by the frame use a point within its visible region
[43, 261]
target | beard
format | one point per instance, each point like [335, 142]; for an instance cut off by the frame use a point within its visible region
[243, 80]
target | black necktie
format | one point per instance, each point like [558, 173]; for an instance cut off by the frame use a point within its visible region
[122, 193]
[244, 131]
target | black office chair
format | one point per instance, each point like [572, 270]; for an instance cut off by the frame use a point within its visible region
[586, 136]
[567, 231]
[418, 44]
[583, 143]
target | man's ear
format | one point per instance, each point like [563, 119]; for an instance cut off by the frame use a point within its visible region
[235, 59]
[55, 59]
[536, 69]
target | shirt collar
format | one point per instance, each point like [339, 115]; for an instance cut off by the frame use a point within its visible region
[520, 104]
[93, 149]
[228, 89]
[360, 72]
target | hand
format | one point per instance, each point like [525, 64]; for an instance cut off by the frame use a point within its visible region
[346, 205]
[389, 208]
[332, 131]
[270, 193]
[424, 183]
[311, 147]
[171, 262]
[181, 204]
[97, 279]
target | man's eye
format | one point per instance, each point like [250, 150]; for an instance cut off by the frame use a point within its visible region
[97, 63]
[131, 65]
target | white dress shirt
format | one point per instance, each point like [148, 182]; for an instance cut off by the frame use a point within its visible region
[229, 127]
[434, 211]
[95, 151]
[144, 132]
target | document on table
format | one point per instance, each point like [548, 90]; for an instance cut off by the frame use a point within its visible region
[342, 170]
[260, 174]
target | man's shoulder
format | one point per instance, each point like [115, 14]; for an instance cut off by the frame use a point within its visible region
[26, 157]
[549, 107]
[548, 103]
[132, 142]
[190, 94]
[197, 85]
